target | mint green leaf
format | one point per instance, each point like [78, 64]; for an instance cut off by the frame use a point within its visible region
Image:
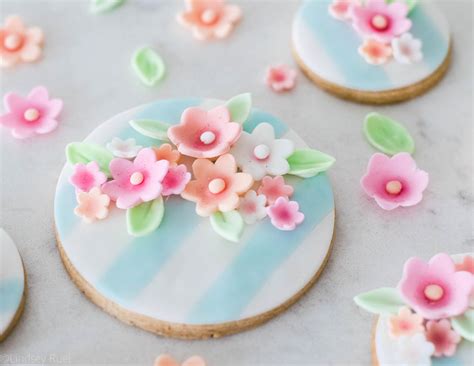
[102, 6]
[464, 325]
[145, 218]
[240, 107]
[307, 163]
[148, 65]
[229, 225]
[83, 152]
[384, 300]
[151, 128]
[387, 135]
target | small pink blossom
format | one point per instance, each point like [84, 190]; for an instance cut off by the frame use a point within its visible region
[252, 207]
[374, 52]
[93, 205]
[166, 360]
[87, 176]
[405, 323]
[138, 181]
[280, 78]
[35, 114]
[394, 181]
[341, 9]
[285, 214]
[175, 180]
[443, 337]
[273, 188]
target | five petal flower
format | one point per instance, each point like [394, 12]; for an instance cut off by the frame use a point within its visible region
[285, 214]
[126, 149]
[93, 205]
[87, 176]
[252, 207]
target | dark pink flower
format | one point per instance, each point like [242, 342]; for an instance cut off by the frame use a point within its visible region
[285, 214]
[175, 180]
[280, 78]
[443, 337]
[87, 176]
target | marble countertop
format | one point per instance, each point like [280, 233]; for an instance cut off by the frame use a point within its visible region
[87, 63]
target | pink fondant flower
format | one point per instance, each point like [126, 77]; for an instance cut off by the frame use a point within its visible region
[405, 323]
[466, 265]
[138, 181]
[93, 205]
[210, 19]
[285, 214]
[166, 152]
[166, 360]
[205, 134]
[395, 181]
[35, 114]
[175, 180]
[381, 21]
[18, 43]
[341, 9]
[434, 289]
[217, 186]
[252, 207]
[87, 176]
[280, 78]
[274, 188]
[443, 337]
[374, 52]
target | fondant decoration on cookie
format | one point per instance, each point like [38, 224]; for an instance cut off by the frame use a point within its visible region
[19, 43]
[148, 65]
[92, 205]
[34, 115]
[428, 315]
[12, 285]
[210, 19]
[178, 273]
[280, 78]
[103, 6]
[285, 214]
[395, 181]
[166, 360]
[127, 149]
[374, 51]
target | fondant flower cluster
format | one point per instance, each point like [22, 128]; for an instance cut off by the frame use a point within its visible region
[384, 27]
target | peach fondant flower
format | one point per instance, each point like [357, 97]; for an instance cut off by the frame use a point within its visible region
[285, 214]
[217, 186]
[93, 205]
[375, 52]
[175, 180]
[405, 323]
[341, 9]
[274, 188]
[406, 49]
[252, 207]
[280, 78]
[209, 19]
[205, 134]
[166, 360]
[395, 181]
[443, 337]
[87, 176]
[466, 265]
[166, 152]
[35, 114]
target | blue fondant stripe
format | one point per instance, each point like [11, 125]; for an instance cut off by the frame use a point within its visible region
[64, 204]
[11, 291]
[264, 252]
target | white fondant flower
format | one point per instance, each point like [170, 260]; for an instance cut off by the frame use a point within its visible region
[252, 207]
[126, 149]
[414, 350]
[407, 49]
[260, 154]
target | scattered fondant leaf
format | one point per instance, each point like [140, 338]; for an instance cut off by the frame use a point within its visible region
[102, 6]
[384, 300]
[387, 135]
[307, 163]
[151, 128]
[240, 107]
[83, 152]
[229, 225]
[464, 325]
[145, 218]
[148, 65]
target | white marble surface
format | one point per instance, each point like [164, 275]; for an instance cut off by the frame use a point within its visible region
[86, 62]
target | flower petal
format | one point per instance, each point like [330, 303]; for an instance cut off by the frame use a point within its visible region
[30, 53]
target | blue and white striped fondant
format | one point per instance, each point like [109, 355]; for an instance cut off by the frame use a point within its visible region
[184, 272]
[328, 47]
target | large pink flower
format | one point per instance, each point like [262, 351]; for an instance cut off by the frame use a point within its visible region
[443, 337]
[381, 21]
[434, 289]
[138, 181]
[205, 134]
[35, 114]
[285, 214]
[87, 176]
[395, 181]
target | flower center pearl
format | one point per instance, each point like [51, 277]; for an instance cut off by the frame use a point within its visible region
[208, 16]
[393, 187]
[136, 178]
[261, 152]
[380, 22]
[433, 292]
[31, 114]
[216, 185]
[12, 42]
[207, 137]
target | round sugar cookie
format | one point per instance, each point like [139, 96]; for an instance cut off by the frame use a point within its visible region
[12, 285]
[336, 57]
[185, 280]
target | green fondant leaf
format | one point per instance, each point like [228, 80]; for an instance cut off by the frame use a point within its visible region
[307, 163]
[387, 135]
[83, 152]
[464, 325]
[102, 6]
[229, 225]
[148, 65]
[154, 129]
[240, 107]
[145, 218]
[384, 300]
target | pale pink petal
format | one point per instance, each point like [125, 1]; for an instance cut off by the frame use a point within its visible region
[165, 360]
[47, 125]
[14, 23]
[39, 94]
[30, 53]
[194, 361]
[35, 35]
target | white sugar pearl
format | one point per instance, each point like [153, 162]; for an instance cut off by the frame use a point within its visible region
[393, 187]
[434, 292]
[207, 137]
[380, 21]
[216, 185]
[261, 152]
[136, 178]
[31, 114]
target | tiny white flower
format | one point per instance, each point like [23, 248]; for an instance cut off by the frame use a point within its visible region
[126, 149]
[407, 49]
[252, 207]
[414, 350]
